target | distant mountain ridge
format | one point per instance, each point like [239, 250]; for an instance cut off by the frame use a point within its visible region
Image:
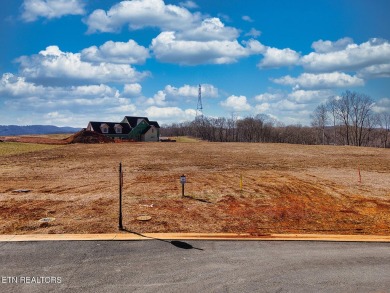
[6, 130]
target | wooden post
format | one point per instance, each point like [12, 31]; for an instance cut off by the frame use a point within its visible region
[120, 226]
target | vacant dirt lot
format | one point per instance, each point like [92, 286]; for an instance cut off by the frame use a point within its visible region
[285, 188]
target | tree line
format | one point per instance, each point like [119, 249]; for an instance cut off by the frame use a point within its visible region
[348, 119]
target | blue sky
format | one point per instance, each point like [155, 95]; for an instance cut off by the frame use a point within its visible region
[67, 62]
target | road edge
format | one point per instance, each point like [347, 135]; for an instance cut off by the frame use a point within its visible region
[193, 236]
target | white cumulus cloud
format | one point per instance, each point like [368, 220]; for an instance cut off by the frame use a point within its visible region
[186, 90]
[54, 66]
[331, 57]
[375, 71]
[189, 4]
[158, 99]
[167, 48]
[269, 97]
[236, 103]
[116, 52]
[60, 105]
[329, 46]
[262, 108]
[382, 106]
[132, 89]
[209, 29]
[309, 96]
[16, 86]
[320, 81]
[169, 114]
[139, 14]
[274, 58]
[33, 9]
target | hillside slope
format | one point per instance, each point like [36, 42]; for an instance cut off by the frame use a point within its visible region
[6, 130]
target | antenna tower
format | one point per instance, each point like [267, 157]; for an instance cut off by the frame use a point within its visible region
[199, 108]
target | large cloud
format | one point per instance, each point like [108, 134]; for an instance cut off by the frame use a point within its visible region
[343, 55]
[33, 9]
[20, 91]
[320, 81]
[15, 86]
[368, 60]
[158, 99]
[167, 48]
[236, 103]
[169, 114]
[291, 107]
[116, 52]
[139, 14]
[382, 106]
[269, 97]
[172, 95]
[69, 105]
[132, 89]
[309, 96]
[189, 91]
[274, 58]
[186, 38]
[52, 66]
[329, 46]
[375, 71]
[209, 29]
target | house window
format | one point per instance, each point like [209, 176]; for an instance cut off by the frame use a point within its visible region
[104, 128]
[118, 128]
[152, 130]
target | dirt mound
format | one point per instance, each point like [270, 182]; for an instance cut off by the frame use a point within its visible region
[83, 136]
[86, 136]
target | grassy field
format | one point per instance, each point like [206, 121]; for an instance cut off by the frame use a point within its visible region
[15, 148]
[285, 188]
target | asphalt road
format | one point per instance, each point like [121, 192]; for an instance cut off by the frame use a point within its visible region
[194, 266]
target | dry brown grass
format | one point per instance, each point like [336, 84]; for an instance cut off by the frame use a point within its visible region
[286, 189]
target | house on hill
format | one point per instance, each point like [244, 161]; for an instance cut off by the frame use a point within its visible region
[131, 127]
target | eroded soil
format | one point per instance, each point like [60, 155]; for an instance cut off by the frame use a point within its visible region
[285, 189]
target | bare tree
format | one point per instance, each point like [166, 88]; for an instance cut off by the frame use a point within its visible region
[331, 106]
[343, 107]
[220, 124]
[320, 120]
[354, 110]
[361, 107]
[351, 116]
[383, 120]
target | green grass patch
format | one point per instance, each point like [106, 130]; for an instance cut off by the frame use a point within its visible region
[185, 139]
[15, 148]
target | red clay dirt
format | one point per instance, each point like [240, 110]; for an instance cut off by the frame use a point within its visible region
[286, 189]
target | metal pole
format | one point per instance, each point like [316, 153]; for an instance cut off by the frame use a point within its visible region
[183, 181]
[120, 226]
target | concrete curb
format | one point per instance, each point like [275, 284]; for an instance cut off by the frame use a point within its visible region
[193, 236]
